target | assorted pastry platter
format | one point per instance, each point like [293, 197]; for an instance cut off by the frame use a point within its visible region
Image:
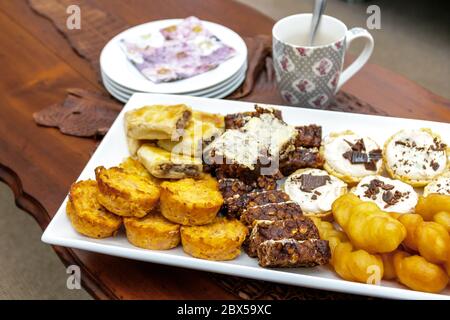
[303, 197]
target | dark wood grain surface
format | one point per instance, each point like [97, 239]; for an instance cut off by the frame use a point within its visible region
[39, 164]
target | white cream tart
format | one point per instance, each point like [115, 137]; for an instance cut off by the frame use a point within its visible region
[415, 156]
[245, 146]
[389, 195]
[351, 157]
[439, 185]
[314, 190]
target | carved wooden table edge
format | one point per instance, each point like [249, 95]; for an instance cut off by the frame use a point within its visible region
[35, 209]
[95, 287]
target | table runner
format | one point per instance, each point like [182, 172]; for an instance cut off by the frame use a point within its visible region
[83, 113]
[100, 26]
[97, 27]
[89, 114]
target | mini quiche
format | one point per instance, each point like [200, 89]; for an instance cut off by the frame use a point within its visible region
[190, 202]
[152, 232]
[157, 122]
[165, 165]
[389, 195]
[202, 128]
[314, 190]
[351, 157]
[133, 166]
[86, 214]
[439, 185]
[125, 194]
[415, 156]
[219, 240]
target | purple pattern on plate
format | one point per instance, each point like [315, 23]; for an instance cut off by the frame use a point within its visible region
[188, 49]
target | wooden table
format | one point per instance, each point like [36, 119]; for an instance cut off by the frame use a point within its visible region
[39, 164]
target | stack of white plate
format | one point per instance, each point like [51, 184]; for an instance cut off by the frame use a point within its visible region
[122, 79]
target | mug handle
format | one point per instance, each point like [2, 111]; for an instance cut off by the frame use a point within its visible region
[350, 71]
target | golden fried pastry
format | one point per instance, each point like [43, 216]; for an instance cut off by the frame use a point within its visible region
[314, 190]
[342, 208]
[357, 265]
[388, 265]
[328, 232]
[418, 274]
[428, 206]
[152, 232]
[366, 225]
[447, 266]
[349, 264]
[157, 122]
[202, 128]
[351, 157]
[165, 165]
[439, 185]
[190, 202]
[411, 222]
[125, 194]
[219, 240]
[430, 239]
[86, 214]
[443, 218]
[433, 242]
[395, 215]
[415, 156]
[388, 194]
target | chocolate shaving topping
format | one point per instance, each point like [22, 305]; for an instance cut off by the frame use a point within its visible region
[400, 143]
[434, 165]
[310, 182]
[348, 155]
[438, 145]
[387, 186]
[392, 198]
[389, 197]
[358, 155]
[375, 186]
[371, 166]
[357, 146]
[375, 154]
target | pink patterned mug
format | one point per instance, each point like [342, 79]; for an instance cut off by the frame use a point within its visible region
[310, 76]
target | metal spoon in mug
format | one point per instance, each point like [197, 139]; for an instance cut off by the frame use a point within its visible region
[319, 8]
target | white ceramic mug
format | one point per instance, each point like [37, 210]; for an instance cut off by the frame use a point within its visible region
[310, 76]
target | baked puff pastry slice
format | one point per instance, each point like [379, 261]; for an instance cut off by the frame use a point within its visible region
[134, 145]
[201, 130]
[166, 165]
[157, 122]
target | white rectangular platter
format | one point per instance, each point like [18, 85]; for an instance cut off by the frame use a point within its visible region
[113, 150]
